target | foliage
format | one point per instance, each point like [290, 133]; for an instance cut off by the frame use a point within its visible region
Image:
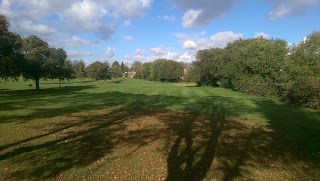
[137, 66]
[99, 71]
[116, 69]
[79, 69]
[36, 52]
[305, 91]
[11, 58]
[166, 70]
[57, 65]
[146, 71]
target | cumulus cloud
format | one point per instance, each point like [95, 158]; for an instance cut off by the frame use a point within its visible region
[79, 54]
[169, 18]
[75, 41]
[140, 51]
[221, 39]
[72, 16]
[166, 53]
[284, 8]
[261, 34]
[189, 44]
[128, 37]
[190, 18]
[202, 12]
[127, 23]
[110, 53]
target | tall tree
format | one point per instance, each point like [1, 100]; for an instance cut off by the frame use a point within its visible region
[116, 69]
[99, 71]
[166, 70]
[146, 71]
[137, 66]
[36, 53]
[79, 68]
[56, 64]
[11, 58]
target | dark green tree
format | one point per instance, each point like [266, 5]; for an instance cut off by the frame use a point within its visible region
[99, 71]
[146, 71]
[11, 58]
[116, 69]
[56, 65]
[166, 70]
[79, 68]
[36, 52]
[137, 66]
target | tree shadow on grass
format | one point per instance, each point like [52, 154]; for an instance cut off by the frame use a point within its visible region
[204, 141]
[298, 127]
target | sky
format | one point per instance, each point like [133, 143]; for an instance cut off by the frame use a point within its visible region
[145, 30]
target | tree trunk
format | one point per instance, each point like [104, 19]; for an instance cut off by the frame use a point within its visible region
[37, 84]
[59, 83]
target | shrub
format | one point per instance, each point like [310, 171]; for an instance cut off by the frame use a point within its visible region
[255, 86]
[305, 91]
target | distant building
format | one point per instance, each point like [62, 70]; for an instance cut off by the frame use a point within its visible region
[130, 74]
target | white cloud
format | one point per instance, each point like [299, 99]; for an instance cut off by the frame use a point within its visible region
[75, 41]
[190, 17]
[140, 51]
[221, 39]
[79, 54]
[202, 12]
[261, 34]
[189, 44]
[169, 18]
[128, 37]
[284, 8]
[127, 23]
[110, 53]
[72, 16]
[26, 27]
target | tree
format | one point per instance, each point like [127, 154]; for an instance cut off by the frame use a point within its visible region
[166, 70]
[116, 69]
[146, 71]
[36, 52]
[137, 66]
[99, 71]
[79, 69]
[207, 68]
[11, 58]
[56, 65]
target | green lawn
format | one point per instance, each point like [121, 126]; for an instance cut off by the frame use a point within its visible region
[139, 130]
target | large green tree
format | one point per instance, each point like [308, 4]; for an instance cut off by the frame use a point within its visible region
[137, 66]
[11, 58]
[116, 69]
[56, 65]
[36, 52]
[99, 71]
[166, 70]
[146, 71]
[79, 68]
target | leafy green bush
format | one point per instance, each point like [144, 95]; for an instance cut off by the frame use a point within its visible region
[255, 86]
[305, 91]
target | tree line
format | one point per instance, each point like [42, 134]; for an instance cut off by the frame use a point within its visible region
[264, 67]
[163, 70]
[32, 58]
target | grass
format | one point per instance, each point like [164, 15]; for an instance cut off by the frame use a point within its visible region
[138, 130]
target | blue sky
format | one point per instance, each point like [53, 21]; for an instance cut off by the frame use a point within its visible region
[144, 30]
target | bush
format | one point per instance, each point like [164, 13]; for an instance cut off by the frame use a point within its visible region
[305, 91]
[255, 86]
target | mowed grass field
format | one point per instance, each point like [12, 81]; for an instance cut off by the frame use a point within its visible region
[139, 130]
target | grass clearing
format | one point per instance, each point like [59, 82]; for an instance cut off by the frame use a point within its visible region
[139, 130]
